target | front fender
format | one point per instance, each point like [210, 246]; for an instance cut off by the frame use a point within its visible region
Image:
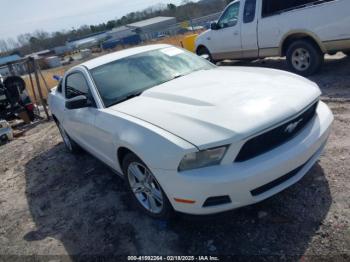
[301, 33]
[155, 146]
[202, 40]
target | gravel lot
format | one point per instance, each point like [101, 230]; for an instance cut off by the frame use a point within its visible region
[54, 203]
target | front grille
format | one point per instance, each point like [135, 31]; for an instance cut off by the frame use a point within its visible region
[275, 137]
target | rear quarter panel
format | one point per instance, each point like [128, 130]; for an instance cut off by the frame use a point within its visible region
[325, 22]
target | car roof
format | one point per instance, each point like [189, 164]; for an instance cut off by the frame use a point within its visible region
[105, 59]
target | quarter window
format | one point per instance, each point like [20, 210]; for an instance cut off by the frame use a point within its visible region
[76, 85]
[249, 11]
[230, 16]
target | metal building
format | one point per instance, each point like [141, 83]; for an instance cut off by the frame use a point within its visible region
[121, 32]
[5, 70]
[92, 40]
[153, 27]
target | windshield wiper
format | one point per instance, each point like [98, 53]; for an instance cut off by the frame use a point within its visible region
[181, 75]
[127, 97]
[178, 76]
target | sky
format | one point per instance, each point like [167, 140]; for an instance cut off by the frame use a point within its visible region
[26, 16]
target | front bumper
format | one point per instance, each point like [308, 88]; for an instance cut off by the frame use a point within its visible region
[239, 180]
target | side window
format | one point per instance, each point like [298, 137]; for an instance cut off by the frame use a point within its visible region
[272, 7]
[230, 16]
[249, 11]
[76, 85]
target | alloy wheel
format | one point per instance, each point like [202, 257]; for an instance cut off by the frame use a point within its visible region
[145, 187]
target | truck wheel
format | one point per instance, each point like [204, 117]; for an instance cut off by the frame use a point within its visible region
[304, 57]
[3, 139]
[145, 189]
[71, 146]
[204, 52]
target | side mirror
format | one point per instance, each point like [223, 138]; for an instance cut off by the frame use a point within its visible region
[78, 102]
[214, 26]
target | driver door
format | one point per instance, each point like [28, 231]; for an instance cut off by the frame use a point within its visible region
[225, 41]
[79, 123]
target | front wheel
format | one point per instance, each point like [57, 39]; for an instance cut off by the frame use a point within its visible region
[145, 189]
[304, 57]
[204, 52]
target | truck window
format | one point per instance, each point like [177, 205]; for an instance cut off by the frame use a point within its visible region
[230, 16]
[272, 7]
[76, 85]
[249, 11]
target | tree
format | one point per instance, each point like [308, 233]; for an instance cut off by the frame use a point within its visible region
[23, 39]
[12, 44]
[110, 24]
[28, 43]
[171, 7]
[3, 46]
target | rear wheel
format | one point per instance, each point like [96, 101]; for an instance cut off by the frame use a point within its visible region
[304, 57]
[68, 142]
[145, 189]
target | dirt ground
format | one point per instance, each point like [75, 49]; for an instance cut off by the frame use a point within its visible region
[54, 203]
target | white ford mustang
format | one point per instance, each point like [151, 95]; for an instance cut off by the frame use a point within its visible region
[190, 136]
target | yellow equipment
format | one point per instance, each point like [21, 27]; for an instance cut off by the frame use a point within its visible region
[189, 42]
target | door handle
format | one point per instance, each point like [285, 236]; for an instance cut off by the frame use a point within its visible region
[208, 38]
[235, 33]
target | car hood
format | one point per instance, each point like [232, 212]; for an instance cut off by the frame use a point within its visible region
[212, 107]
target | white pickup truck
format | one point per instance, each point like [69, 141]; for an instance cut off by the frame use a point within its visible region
[301, 30]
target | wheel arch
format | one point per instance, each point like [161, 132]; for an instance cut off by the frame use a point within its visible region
[200, 47]
[122, 152]
[294, 35]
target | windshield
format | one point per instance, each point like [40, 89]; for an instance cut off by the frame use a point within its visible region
[130, 76]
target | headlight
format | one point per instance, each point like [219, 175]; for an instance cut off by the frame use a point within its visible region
[202, 158]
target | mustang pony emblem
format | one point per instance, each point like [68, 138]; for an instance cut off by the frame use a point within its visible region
[291, 127]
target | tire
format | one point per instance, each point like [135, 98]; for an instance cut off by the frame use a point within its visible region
[304, 57]
[70, 145]
[203, 51]
[147, 194]
[3, 139]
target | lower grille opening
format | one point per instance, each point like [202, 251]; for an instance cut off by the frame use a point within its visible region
[215, 201]
[278, 181]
